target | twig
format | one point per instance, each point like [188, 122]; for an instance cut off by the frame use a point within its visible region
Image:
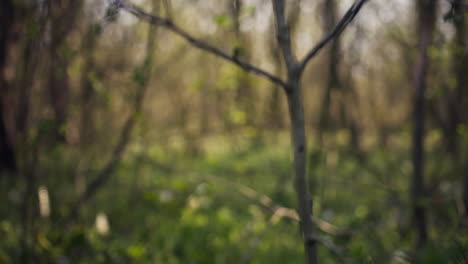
[284, 212]
[198, 43]
[342, 24]
[104, 175]
[277, 210]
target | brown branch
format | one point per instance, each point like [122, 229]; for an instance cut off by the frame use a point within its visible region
[105, 173]
[198, 43]
[103, 176]
[339, 28]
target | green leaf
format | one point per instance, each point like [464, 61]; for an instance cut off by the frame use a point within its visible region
[223, 20]
[136, 251]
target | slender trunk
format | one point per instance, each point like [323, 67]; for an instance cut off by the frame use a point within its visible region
[87, 89]
[351, 99]
[7, 155]
[459, 97]
[59, 90]
[418, 188]
[205, 98]
[63, 15]
[7, 19]
[332, 82]
[244, 94]
[144, 73]
[273, 112]
[298, 138]
[426, 10]
[25, 83]
[465, 194]
[29, 203]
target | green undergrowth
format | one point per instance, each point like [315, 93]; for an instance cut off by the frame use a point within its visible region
[170, 206]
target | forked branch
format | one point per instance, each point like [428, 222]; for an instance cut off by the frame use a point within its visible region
[337, 30]
[198, 43]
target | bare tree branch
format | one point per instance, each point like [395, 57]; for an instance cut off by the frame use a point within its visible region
[198, 43]
[104, 175]
[283, 35]
[339, 28]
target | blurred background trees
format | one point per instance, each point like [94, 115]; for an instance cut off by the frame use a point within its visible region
[121, 143]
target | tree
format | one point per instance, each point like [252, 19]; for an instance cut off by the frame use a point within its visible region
[62, 17]
[333, 82]
[141, 76]
[459, 99]
[291, 86]
[426, 18]
[7, 155]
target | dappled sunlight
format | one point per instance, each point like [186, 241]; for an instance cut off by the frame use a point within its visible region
[44, 202]
[102, 224]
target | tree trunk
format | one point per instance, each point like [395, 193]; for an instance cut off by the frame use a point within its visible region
[63, 16]
[465, 194]
[87, 89]
[273, 112]
[30, 58]
[244, 95]
[459, 97]
[298, 139]
[144, 71]
[7, 155]
[59, 91]
[426, 11]
[298, 136]
[332, 82]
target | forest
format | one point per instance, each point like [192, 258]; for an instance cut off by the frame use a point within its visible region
[234, 131]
